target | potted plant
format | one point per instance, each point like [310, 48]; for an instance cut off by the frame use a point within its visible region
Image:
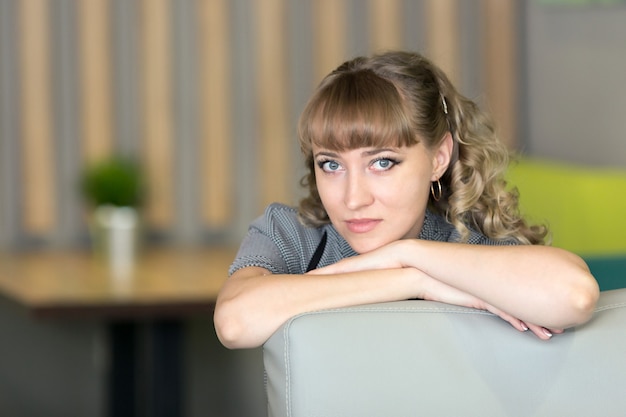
[114, 190]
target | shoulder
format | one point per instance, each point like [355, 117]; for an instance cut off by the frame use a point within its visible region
[278, 241]
[436, 228]
[280, 212]
[282, 221]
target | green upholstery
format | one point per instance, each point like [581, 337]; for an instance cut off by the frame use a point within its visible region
[585, 209]
[610, 271]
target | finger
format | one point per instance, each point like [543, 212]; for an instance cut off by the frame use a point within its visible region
[513, 321]
[518, 325]
[541, 332]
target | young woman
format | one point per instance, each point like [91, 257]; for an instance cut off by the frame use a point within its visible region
[406, 200]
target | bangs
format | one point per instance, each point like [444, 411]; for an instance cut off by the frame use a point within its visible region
[356, 110]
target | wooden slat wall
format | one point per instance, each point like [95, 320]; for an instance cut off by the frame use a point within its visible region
[158, 108]
[231, 38]
[39, 212]
[386, 24]
[216, 151]
[94, 57]
[443, 35]
[329, 40]
[501, 66]
[272, 83]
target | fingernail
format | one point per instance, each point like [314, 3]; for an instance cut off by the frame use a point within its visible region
[524, 326]
[547, 333]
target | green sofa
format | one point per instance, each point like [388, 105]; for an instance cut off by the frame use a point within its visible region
[585, 209]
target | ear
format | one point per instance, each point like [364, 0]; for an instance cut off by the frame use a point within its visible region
[442, 156]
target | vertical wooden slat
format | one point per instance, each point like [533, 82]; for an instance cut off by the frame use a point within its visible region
[157, 105]
[329, 26]
[216, 133]
[94, 56]
[441, 18]
[275, 145]
[500, 65]
[39, 192]
[385, 25]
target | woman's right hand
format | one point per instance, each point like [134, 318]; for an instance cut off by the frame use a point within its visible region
[541, 332]
[435, 290]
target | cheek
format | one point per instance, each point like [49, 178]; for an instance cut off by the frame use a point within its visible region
[328, 194]
[405, 191]
[420, 179]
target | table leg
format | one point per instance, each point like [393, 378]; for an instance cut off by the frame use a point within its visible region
[122, 372]
[166, 366]
[145, 377]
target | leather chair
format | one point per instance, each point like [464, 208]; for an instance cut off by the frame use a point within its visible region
[422, 358]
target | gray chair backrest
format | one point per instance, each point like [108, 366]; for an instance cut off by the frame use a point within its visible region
[421, 358]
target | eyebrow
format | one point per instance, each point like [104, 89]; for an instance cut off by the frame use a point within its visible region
[378, 150]
[364, 153]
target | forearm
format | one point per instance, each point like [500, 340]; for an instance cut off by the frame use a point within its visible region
[541, 285]
[252, 306]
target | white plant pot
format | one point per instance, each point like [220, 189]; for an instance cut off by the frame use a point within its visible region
[115, 234]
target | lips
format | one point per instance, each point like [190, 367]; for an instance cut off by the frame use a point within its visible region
[362, 225]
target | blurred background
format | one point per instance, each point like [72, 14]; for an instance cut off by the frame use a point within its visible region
[206, 94]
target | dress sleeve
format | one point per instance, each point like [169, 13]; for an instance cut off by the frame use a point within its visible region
[258, 249]
[277, 242]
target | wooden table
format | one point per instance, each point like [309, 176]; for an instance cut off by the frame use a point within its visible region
[165, 286]
[165, 282]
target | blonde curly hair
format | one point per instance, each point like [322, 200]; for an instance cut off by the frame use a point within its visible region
[399, 99]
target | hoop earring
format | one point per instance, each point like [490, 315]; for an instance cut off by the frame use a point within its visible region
[436, 193]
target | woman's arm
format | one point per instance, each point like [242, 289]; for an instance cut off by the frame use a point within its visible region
[253, 303]
[536, 287]
[544, 287]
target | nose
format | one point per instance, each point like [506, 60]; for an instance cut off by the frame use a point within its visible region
[357, 192]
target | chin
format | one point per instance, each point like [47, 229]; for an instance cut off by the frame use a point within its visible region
[366, 246]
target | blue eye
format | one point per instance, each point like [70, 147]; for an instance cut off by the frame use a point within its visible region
[329, 166]
[383, 164]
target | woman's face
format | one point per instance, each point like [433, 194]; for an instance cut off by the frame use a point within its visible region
[376, 196]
